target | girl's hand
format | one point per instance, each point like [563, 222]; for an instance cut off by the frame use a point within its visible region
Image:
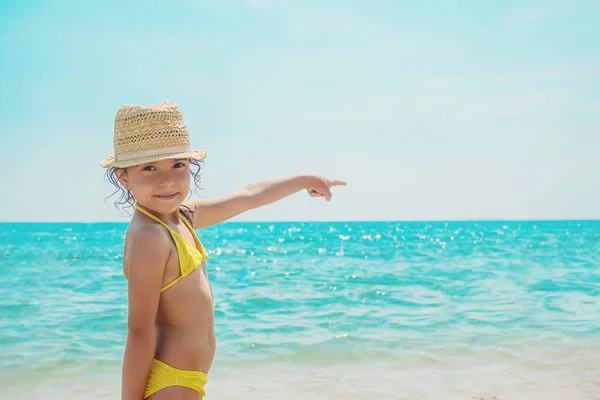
[319, 186]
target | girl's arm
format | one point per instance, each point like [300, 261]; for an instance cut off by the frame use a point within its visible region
[212, 211]
[146, 257]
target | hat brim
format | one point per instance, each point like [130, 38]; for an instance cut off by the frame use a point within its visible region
[110, 162]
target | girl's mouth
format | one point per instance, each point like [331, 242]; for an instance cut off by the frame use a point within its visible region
[167, 196]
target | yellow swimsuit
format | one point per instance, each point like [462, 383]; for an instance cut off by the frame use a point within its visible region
[190, 257]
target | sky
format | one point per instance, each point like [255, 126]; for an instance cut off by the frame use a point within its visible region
[430, 110]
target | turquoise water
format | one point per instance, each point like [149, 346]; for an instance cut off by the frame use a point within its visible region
[318, 295]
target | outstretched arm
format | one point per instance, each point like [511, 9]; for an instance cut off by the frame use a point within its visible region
[257, 194]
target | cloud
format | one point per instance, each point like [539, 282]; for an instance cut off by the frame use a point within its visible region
[256, 3]
[497, 94]
[528, 14]
[440, 83]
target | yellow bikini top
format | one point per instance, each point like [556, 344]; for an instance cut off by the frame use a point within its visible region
[190, 257]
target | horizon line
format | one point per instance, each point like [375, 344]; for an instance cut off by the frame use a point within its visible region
[333, 221]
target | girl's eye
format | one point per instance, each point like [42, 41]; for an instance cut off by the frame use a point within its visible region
[179, 165]
[148, 168]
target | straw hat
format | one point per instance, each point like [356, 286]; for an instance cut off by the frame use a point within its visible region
[147, 134]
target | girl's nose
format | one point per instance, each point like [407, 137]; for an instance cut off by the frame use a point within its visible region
[166, 180]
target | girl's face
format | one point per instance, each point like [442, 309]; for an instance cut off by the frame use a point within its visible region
[160, 186]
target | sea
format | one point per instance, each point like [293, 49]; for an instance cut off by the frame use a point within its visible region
[323, 310]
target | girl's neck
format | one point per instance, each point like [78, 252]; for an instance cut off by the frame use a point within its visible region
[173, 217]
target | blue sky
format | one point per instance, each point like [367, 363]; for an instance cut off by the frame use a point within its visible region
[431, 110]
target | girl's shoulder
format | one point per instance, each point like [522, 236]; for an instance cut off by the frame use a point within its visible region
[145, 243]
[141, 230]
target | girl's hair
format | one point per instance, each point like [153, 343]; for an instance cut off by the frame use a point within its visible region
[126, 201]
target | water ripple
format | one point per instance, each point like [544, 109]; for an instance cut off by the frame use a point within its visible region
[317, 290]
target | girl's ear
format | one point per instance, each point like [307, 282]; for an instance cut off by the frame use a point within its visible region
[121, 175]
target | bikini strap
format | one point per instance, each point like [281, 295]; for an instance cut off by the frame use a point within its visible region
[198, 244]
[154, 217]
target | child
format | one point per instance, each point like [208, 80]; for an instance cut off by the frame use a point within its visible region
[171, 338]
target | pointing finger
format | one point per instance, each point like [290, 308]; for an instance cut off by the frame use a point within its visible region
[337, 183]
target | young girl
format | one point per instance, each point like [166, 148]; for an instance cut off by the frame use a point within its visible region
[171, 338]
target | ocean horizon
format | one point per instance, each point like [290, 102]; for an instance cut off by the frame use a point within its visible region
[323, 310]
[126, 220]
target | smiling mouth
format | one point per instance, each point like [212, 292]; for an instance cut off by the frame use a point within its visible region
[168, 196]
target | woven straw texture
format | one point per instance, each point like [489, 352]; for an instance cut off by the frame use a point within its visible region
[146, 134]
